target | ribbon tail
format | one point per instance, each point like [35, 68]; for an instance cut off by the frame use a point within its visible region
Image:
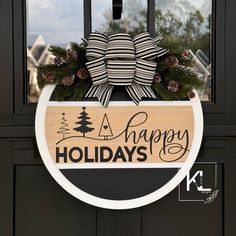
[138, 91]
[134, 92]
[148, 91]
[102, 92]
[161, 51]
[157, 39]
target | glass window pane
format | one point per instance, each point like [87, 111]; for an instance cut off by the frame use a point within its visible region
[133, 19]
[186, 24]
[49, 22]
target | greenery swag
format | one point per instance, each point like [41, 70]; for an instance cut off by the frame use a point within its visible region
[174, 79]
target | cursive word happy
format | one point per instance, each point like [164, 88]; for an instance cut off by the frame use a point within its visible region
[174, 142]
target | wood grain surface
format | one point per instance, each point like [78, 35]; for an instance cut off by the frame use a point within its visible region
[151, 127]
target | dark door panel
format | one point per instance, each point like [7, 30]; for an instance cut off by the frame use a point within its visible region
[169, 216]
[42, 207]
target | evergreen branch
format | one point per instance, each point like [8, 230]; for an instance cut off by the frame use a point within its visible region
[46, 67]
[81, 89]
[63, 92]
[185, 78]
[58, 51]
[162, 93]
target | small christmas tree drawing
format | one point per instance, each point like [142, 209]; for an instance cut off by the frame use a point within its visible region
[105, 130]
[84, 123]
[63, 130]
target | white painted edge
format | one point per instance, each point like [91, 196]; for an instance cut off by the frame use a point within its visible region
[119, 165]
[119, 103]
[106, 203]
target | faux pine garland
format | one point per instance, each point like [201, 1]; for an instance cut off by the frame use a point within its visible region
[174, 78]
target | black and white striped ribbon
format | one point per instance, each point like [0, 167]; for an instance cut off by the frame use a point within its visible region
[121, 61]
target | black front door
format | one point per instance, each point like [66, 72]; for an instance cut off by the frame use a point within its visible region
[32, 203]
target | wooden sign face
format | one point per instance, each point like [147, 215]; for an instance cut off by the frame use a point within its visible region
[85, 135]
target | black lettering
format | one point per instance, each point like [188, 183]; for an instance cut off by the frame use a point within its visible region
[130, 152]
[119, 154]
[102, 156]
[140, 151]
[61, 154]
[75, 159]
[96, 154]
[86, 156]
[132, 134]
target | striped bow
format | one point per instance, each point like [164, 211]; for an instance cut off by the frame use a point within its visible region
[121, 61]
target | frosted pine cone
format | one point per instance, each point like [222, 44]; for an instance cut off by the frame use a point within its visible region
[49, 77]
[157, 78]
[58, 61]
[172, 61]
[83, 73]
[173, 86]
[186, 54]
[71, 54]
[191, 94]
[68, 81]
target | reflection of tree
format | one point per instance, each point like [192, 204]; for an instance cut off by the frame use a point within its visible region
[182, 25]
[133, 21]
[179, 22]
[167, 23]
[190, 33]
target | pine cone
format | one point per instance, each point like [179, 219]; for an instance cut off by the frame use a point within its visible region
[186, 54]
[68, 81]
[157, 78]
[58, 61]
[49, 77]
[172, 61]
[83, 73]
[173, 86]
[71, 54]
[191, 94]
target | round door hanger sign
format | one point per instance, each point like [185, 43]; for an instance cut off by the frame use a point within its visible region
[122, 156]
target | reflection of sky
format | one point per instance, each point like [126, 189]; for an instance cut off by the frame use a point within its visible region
[60, 21]
[98, 7]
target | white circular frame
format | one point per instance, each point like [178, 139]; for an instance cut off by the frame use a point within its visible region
[107, 203]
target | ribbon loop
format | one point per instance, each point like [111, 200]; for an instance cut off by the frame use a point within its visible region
[95, 52]
[98, 71]
[121, 61]
[97, 45]
[120, 72]
[120, 46]
[144, 46]
[144, 72]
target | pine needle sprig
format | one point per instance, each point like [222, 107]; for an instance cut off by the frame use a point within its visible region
[81, 89]
[58, 51]
[63, 92]
[162, 93]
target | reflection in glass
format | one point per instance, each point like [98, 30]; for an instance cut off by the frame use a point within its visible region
[49, 22]
[186, 24]
[133, 19]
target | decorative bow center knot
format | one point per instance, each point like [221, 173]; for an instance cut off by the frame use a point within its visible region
[120, 61]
